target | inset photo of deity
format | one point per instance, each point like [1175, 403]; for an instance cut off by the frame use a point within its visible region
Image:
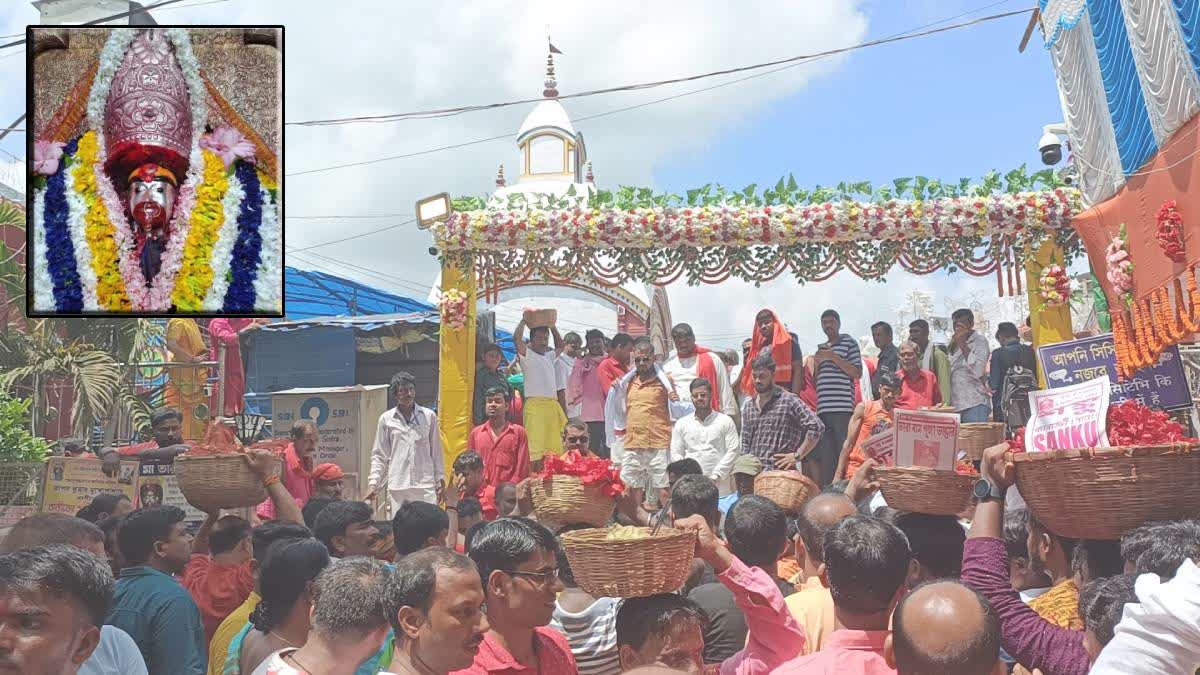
[156, 171]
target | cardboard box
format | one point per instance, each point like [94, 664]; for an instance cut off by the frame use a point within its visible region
[346, 418]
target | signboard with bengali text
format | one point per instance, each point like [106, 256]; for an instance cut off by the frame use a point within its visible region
[1162, 385]
[72, 483]
[926, 438]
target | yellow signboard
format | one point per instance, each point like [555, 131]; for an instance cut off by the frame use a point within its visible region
[72, 483]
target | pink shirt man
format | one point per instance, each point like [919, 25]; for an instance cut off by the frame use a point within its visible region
[585, 389]
[774, 636]
[296, 477]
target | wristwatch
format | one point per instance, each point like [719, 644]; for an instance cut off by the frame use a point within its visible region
[985, 490]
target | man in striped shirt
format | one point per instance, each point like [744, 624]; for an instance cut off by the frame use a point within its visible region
[838, 365]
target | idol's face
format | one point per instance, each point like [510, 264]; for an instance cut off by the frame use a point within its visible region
[152, 202]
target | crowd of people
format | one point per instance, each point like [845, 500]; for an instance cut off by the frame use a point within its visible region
[463, 578]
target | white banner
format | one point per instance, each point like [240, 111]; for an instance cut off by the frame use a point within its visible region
[1069, 418]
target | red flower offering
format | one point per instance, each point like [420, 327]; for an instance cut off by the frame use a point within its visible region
[592, 471]
[1132, 423]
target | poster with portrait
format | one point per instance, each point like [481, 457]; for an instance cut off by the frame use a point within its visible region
[72, 483]
[157, 486]
[926, 438]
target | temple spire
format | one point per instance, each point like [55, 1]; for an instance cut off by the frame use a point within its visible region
[551, 90]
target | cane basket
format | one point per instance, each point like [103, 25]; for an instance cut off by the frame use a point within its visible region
[222, 481]
[919, 489]
[536, 318]
[788, 489]
[630, 568]
[1103, 493]
[566, 500]
[975, 437]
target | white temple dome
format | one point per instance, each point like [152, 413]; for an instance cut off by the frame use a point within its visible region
[549, 115]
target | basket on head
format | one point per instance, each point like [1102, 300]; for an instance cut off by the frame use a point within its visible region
[975, 437]
[630, 568]
[223, 481]
[566, 500]
[1103, 493]
[788, 489]
[919, 489]
[536, 318]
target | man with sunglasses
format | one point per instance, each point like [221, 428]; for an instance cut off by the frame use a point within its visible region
[577, 438]
[518, 564]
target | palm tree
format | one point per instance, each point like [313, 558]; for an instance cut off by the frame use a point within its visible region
[81, 352]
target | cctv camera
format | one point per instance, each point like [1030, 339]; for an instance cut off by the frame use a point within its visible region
[1051, 149]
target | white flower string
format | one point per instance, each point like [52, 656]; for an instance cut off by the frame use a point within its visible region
[270, 272]
[222, 251]
[43, 286]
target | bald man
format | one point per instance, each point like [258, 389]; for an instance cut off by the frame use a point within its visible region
[812, 603]
[945, 628]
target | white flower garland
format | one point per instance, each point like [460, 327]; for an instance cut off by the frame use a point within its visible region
[269, 281]
[76, 226]
[43, 283]
[222, 251]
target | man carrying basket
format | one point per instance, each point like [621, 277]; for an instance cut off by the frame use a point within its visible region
[545, 384]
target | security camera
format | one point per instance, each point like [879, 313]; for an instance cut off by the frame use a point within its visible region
[1050, 145]
[1068, 175]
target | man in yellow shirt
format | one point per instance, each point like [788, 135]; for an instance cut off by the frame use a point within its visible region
[812, 603]
[262, 539]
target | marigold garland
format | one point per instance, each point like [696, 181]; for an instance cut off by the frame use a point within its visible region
[110, 287]
[195, 273]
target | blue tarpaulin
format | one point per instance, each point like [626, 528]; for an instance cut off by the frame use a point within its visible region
[310, 294]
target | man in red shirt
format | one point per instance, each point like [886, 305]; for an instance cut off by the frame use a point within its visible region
[167, 426]
[918, 387]
[469, 470]
[503, 445]
[616, 365]
[220, 575]
[297, 467]
[520, 592]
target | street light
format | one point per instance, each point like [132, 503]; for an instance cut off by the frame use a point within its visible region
[433, 209]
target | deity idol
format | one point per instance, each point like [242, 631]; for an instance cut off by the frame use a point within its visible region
[150, 210]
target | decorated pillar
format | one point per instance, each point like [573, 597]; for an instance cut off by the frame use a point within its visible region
[456, 359]
[1051, 323]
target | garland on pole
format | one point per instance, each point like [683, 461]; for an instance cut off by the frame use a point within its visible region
[713, 234]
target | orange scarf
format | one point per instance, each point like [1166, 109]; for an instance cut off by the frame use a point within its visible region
[706, 368]
[781, 353]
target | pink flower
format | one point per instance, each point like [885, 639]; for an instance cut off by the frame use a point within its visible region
[45, 157]
[229, 144]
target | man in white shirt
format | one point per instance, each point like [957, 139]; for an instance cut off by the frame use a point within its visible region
[572, 346]
[408, 449]
[1161, 632]
[969, 355]
[709, 437]
[691, 362]
[545, 390]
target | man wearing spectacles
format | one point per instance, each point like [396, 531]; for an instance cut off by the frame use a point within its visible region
[518, 564]
[577, 438]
